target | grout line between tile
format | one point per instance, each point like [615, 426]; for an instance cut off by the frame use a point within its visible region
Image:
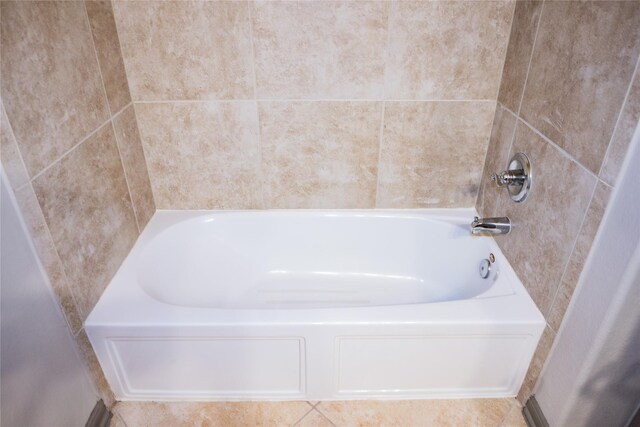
[261, 176]
[506, 51]
[124, 63]
[79, 331]
[66, 153]
[144, 154]
[554, 342]
[97, 58]
[556, 146]
[115, 413]
[560, 149]
[111, 116]
[121, 110]
[390, 10]
[380, 142]
[15, 140]
[513, 132]
[514, 406]
[253, 55]
[323, 415]
[486, 155]
[573, 248]
[606, 184]
[126, 177]
[620, 114]
[533, 49]
[58, 259]
[304, 416]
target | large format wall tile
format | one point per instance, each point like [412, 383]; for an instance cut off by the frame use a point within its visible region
[446, 50]
[502, 132]
[319, 49]
[135, 165]
[432, 153]
[105, 38]
[202, 155]
[623, 134]
[48, 255]
[523, 33]
[579, 255]
[582, 63]
[320, 154]
[85, 202]
[10, 154]
[546, 224]
[186, 49]
[51, 83]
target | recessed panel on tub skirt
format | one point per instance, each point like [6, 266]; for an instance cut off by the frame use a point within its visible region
[437, 366]
[209, 367]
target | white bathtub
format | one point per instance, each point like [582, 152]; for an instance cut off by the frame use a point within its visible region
[313, 305]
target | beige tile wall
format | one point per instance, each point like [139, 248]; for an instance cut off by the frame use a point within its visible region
[71, 150]
[570, 99]
[268, 104]
[324, 104]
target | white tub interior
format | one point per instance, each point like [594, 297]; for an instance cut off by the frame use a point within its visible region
[270, 305]
[302, 260]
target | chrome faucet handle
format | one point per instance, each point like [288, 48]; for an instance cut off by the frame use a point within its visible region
[509, 177]
[517, 178]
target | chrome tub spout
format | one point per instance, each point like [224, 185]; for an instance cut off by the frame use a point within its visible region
[499, 225]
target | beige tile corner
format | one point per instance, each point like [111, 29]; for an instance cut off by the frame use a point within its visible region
[628, 120]
[431, 153]
[497, 158]
[86, 205]
[320, 49]
[537, 363]
[446, 50]
[135, 165]
[581, 67]
[523, 33]
[107, 46]
[10, 154]
[320, 154]
[167, 57]
[95, 371]
[579, 254]
[48, 255]
[202, 155]
[51, 86]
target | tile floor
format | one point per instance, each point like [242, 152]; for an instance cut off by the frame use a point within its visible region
[408, 413]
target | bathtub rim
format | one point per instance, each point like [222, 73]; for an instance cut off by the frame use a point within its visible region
[136, 308]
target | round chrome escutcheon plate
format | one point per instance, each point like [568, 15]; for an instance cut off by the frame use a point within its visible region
[485, 268]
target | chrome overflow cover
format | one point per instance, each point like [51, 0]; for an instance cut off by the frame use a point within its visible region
[485, 268]
[517, 178]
